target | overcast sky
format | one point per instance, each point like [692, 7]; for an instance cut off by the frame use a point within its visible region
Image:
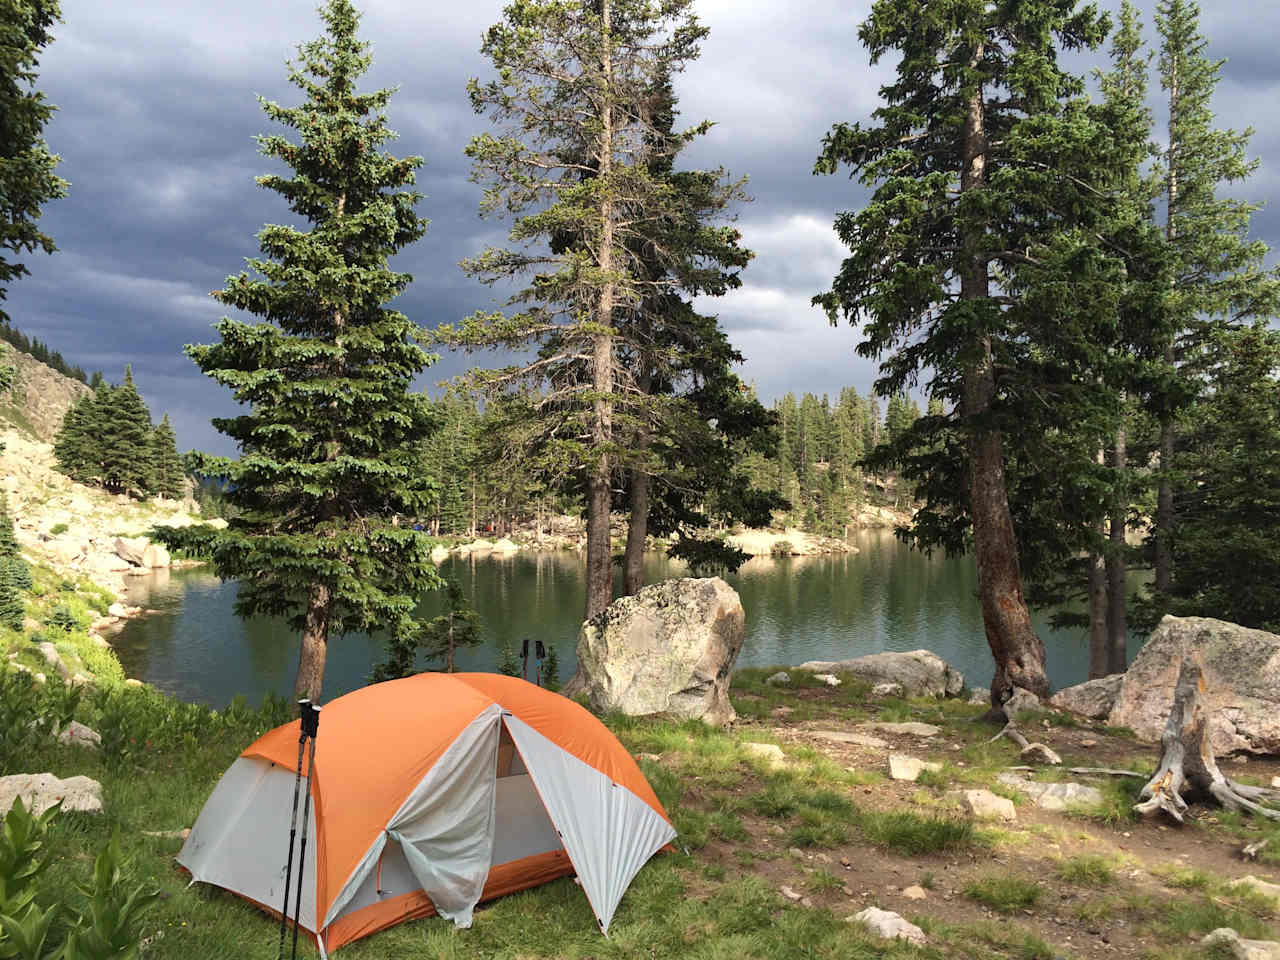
[158, 110]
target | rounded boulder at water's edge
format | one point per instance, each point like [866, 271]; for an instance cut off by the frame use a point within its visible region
[669, 649]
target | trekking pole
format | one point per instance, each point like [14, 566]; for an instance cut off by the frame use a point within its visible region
[524, 653]
[539, 654]
[311, 726]
[303, 705]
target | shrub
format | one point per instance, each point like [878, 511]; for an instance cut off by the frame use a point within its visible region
[58, 529]
[782, 548]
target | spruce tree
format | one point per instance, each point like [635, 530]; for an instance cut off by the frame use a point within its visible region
[976, 260]
[330, 443]
[573, 101]
[27, 180]
[166, 466]
[72, 443]
[1219, 276]
[1227, 555]
[123, 426]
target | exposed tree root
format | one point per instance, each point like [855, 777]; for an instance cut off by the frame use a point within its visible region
[1012, 733]
[1188, 771]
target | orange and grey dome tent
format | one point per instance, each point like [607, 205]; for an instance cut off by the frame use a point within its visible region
[430, 794]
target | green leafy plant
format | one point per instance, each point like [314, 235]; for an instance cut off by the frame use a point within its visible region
[22, 721]
[57, 529]
[109, 928]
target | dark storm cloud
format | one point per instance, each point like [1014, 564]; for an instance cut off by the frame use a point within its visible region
[158, 114]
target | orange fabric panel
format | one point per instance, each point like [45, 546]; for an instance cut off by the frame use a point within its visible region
[374, 746]
[569, 725]
[503, 879]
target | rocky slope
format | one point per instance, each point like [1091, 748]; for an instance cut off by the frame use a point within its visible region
[79, 530]
[40, 396]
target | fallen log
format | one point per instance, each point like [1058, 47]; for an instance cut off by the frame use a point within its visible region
[1188, 772]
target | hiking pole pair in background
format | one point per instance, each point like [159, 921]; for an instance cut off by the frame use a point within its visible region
[310, 717]
[539, 654]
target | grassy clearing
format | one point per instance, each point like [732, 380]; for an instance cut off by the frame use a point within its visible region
[1004, 893]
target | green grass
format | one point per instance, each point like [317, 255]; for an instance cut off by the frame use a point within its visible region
[1088, 870]
[1004, 893]
[911, 834]
[824, 881]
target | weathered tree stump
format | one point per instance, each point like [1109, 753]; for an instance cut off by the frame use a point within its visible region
[1188, 772]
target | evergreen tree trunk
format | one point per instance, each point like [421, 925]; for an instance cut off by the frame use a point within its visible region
[638, 527]
[599, 498]
[1099, 646]
[1164, 496]
[1117, 620]
[1018, 652]
[315, 645]
[637, 532]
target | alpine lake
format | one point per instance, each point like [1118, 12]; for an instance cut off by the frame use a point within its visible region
[884, 597]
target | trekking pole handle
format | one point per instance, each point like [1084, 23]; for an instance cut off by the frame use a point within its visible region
[310, 717]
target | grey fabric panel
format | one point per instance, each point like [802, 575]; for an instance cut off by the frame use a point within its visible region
[240, 841]
[445, 826]
[608, 832]
[521, 825]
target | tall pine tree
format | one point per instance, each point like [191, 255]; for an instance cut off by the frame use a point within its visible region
[1219, 278]
[166, 466]
[984, 159]
[329, 447]
[573, 102]
[27, 180]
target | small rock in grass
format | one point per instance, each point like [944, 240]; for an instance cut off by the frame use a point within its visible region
[133, 682]
[1275, 783]
[769, 752]
[1260, 886]
[1021, 702]
[1240, 948]
[790, 894]
[778, 679]
[915, 892]
[831, 680]
[888, 925]
[651, 757]
[903, 767]
[980, 697]
[50, 654]
[887, 690]
[1039, 753]
[40, 791]
[1088, 743]
[76, 734]
[985, 805]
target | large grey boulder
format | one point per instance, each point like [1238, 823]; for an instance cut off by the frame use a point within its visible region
[40, 791]
[669, 649]
[919, 672]
[1241, 683]
[1093, 699]
[132, 550]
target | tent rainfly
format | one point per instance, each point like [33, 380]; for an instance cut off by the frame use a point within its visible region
[430, 794]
